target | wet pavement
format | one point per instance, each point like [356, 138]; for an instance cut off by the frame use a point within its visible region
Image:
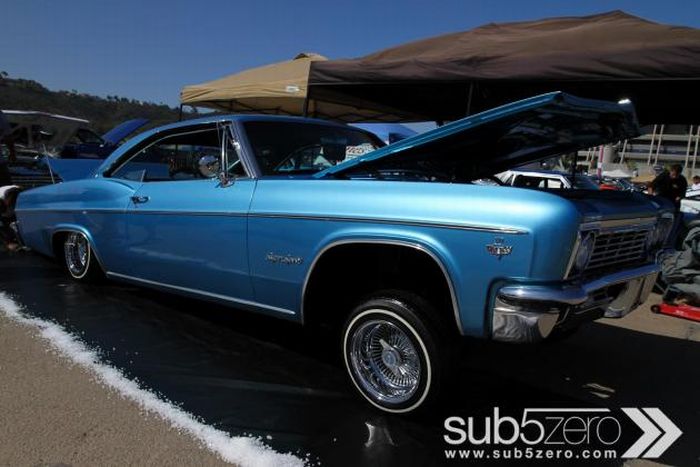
[255, 375]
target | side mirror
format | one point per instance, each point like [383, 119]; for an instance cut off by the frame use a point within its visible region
[209, 166]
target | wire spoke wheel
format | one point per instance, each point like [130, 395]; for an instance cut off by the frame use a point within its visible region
[76, 251]
[386, 361]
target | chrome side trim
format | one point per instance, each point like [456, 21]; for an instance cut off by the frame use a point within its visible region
[225, 298]
[118, 211]
[375, 241]
[574, 294]
[477, 228]
[141, 211]
[500, 230]
[156, 212]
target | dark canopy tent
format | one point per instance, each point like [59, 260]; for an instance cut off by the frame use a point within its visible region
[607, 56]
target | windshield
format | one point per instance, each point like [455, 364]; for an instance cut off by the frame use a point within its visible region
[301, 147]
[583, 182]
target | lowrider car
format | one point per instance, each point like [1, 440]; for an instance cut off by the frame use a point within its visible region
[394, 248]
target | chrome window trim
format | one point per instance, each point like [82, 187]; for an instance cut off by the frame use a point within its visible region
[246, 149]
[185, 130]
[376, 241]
[203, 293]
[243, 154]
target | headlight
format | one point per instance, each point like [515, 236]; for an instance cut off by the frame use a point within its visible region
[585, 249]
[660, 234]
[665, 228]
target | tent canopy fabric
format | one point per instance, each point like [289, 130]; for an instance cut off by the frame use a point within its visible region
[279, 88]
[607, 56]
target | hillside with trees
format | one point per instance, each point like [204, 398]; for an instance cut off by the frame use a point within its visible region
[103, 113]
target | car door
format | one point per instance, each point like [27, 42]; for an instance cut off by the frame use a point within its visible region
[186, 229]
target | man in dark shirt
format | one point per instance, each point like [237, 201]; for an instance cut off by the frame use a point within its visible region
[6, 138]
[671, 185]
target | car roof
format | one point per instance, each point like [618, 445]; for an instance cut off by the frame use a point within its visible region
[539, 172]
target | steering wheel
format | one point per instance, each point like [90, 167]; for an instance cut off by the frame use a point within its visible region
[292, 154]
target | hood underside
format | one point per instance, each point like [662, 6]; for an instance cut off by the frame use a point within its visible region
[124, 130]
[504, 137]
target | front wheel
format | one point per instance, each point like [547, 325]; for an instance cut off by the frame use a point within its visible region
[79, 258]
[392, 353]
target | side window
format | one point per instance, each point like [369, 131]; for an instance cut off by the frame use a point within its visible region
[191, 155]
[555, 184]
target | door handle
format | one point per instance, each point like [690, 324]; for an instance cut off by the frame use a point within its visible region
[140, 199]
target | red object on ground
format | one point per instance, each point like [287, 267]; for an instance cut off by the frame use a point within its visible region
[680, 311]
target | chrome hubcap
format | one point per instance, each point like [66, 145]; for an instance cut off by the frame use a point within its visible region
[76, 251]
[385, 361]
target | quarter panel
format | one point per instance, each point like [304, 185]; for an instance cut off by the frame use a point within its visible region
[97, 205]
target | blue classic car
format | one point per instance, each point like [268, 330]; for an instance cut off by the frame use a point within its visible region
[394, 248]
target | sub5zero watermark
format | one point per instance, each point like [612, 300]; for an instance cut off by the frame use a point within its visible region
[561, 433]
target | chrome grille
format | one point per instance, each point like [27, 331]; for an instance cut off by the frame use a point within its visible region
[617, 248]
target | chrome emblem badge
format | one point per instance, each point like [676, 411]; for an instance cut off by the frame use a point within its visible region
[498, 248]
[287, 259]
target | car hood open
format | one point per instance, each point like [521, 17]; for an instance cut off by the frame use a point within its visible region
[55, 129]
[123, 130]
[507, 136]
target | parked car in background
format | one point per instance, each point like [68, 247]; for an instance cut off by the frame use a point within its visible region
[393, 249]
[388, 132]
[613, 183]
[44, 140]
[691, 203]
[548, 179]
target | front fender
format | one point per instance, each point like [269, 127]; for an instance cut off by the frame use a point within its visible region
[426, 244]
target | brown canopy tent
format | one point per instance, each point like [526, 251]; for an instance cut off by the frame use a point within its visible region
[279, 88]
[608, 56]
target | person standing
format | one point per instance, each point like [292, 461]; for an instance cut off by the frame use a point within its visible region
[7, 139]
[671, 185]
[679, 185]
[696, 183]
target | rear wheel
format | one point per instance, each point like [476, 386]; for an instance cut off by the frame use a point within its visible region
[79, 259]
[393, 354]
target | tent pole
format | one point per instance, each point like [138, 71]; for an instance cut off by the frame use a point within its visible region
[305, 109]
[469, 99]
[179, 117]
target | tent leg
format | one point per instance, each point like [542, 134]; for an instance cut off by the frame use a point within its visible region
[469, 99]
[179, 117]
[305, 110]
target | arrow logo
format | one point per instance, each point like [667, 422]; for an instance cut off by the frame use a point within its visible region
[650, 433]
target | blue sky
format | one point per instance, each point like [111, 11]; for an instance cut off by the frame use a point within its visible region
[149, 49]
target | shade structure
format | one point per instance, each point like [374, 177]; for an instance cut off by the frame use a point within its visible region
[609, 56]
[279, 88]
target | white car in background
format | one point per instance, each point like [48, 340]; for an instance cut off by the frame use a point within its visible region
[691, 203]
[547, 179]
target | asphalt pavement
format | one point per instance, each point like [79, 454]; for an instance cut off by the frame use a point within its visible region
[257, 376]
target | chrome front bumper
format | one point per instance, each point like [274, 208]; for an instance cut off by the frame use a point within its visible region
[529, 313]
